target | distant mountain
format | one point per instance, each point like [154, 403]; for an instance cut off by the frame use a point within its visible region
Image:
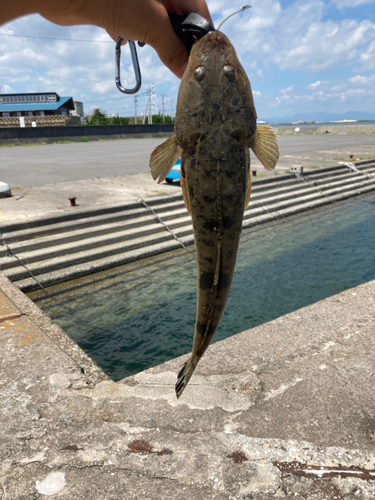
[320, 117]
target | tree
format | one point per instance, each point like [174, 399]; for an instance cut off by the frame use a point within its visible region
[98, 117]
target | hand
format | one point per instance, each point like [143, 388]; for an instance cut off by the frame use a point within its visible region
[142, 20]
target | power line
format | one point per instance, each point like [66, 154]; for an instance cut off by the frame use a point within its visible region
[106, 100]
[63, 39]
[113, 99]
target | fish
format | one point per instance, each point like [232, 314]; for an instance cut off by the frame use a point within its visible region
[215, 128]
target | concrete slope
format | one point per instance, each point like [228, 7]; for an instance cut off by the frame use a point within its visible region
[57, 248]
[283, 411]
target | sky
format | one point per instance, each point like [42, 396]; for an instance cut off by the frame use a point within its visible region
[301, 56]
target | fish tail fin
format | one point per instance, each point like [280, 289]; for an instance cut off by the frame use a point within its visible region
[184, 376]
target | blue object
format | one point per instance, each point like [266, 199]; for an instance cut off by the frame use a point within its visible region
[175, 173]
[35, 106]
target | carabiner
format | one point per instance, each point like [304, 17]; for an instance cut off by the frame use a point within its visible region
[189, 27]
[137, 72]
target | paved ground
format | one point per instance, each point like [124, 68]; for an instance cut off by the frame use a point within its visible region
[41, 185]
[54, 163]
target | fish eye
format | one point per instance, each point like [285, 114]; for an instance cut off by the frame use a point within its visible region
[199, 73]
[229, 72]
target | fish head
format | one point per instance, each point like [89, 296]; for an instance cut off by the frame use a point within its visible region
[213, 61]
[215, 90]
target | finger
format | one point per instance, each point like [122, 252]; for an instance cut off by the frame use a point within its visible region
[187, 6]
[169, 47]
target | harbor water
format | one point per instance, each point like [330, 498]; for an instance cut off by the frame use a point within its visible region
[139, 316]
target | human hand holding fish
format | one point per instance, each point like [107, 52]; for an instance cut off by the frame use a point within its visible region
[214, 128]
[145, 20]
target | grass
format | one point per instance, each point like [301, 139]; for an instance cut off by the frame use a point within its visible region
[342, 158]
[28, 144]
[157, 193]
[314, 166]
[82, 139]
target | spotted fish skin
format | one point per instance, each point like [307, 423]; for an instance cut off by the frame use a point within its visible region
[215, 127]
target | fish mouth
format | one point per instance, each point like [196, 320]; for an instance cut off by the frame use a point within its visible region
[216, 39]
[212, 50]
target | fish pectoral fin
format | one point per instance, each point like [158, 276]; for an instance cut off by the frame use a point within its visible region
[163, 158]
[184, 185]
[264, 145]
[248, 180]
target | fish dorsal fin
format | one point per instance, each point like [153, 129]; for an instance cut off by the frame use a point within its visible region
[163, 158]
[264, 145]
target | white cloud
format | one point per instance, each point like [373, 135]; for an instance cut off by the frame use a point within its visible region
[287, 90]
[103, 87]
[340, 4]
[270, 39]
[6, 89]
[355, 93]
[314, 85]
[297, 37]
[368, 58]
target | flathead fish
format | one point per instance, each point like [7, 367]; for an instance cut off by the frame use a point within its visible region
[215, 127]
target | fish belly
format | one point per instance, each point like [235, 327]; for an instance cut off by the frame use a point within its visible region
[216, 185]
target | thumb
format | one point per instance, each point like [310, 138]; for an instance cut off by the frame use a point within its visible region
[170, 49]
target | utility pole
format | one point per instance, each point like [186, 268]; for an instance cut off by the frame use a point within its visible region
[144, 116]
[172, 101]
[135, 110]
[154, 108]
[149, 105]
[162, 103]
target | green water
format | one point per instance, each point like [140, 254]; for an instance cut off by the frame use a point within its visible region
[135, 319]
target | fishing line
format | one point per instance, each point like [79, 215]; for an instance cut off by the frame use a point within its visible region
[12, 254]
[244, 7]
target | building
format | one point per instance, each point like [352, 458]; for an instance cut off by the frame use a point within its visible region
[78, 109]
[38, 104]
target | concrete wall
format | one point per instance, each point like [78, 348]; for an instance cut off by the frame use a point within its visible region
[331, 129]
[50, 134]
[53, 134]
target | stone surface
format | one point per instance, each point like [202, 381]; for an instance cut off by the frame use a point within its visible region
[285, 410]
[8, 310]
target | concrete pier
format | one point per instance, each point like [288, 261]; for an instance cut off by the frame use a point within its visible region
[284, 410]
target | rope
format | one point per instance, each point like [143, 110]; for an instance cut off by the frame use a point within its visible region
[158, 220]
[268, 210]
[301, 178]
[353, 168]
[12, 254]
